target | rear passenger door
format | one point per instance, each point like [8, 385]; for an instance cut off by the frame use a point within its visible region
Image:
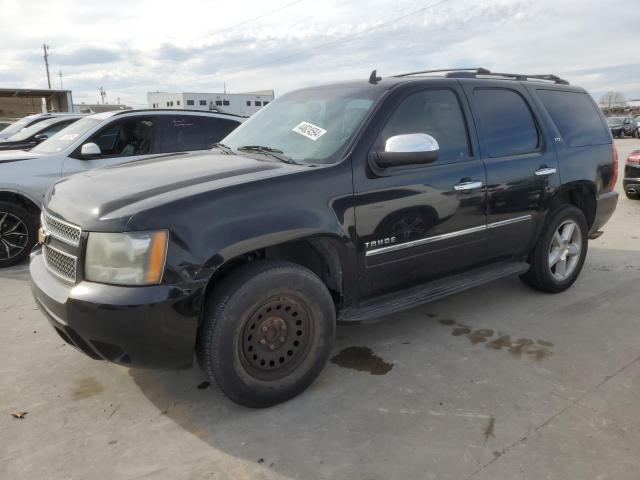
[520, 160]
[184, 133]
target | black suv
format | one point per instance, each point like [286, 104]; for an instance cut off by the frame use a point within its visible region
[343, 202]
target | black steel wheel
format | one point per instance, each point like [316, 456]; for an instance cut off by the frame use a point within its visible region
[275, 337]
[17, 234]
[266, 333]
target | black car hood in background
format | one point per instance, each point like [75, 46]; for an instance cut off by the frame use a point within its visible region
[16, 145]
[107, 197]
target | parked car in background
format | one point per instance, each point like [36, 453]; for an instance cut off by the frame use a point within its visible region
[616, 125]
[342, 202]
[630, 127]
[631, 180]
[36, 133]
[93, 141]
[27, 121]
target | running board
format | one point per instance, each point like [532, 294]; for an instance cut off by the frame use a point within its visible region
[413, 297]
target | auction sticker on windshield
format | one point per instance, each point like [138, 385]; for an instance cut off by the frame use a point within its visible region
[309, 130]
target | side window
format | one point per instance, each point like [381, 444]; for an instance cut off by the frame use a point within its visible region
[226, 126]
[189, 102]
[506, 123]
[576, 117]
[133, 136]
[436, 112]
[57, 127]
[183, 133]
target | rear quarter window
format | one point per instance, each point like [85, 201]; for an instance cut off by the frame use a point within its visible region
[576, 117]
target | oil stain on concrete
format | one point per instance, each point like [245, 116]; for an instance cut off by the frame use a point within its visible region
[517, 347]
[86, 387]
[362, 359]
[490, 430]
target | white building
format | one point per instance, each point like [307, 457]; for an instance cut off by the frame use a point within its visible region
[244, 104]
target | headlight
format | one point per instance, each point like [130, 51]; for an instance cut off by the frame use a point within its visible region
[135, 258]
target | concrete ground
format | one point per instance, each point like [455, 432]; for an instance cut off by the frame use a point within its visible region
[500, 382]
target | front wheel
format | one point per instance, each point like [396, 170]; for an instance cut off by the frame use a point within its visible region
[557, 259]
[17, 233]
[267, 332]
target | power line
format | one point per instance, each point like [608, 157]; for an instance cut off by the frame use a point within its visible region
[250, 20]
[344, 38]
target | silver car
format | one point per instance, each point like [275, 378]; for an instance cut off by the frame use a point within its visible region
[93, 141]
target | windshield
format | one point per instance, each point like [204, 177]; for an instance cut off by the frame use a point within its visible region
[19, 125]
[313, 125]
[614, 121]
[43, 126]
[66, 136]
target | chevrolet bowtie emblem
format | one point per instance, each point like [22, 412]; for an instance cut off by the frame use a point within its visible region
[43, 236]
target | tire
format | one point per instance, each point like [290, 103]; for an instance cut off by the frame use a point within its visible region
[267, 332]
[542, 275]
[17, 233]
[632, 196]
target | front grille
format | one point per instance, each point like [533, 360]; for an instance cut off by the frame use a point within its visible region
[60, 264]
[64, 231]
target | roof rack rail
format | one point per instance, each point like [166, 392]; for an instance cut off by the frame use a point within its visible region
[483, 72]
[443, 70]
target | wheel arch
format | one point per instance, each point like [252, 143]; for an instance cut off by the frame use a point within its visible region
[581, 194]
[324, 254]
[21, 199]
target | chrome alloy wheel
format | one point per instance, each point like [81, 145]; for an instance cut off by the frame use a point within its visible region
[14, 236]
[564, 252]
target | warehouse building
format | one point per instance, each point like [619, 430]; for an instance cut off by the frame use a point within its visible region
[244, 104]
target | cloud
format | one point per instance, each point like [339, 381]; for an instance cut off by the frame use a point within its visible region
[149, 45]
[87, 56]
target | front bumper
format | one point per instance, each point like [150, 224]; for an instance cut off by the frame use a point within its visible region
[151, 326]
[605, 206]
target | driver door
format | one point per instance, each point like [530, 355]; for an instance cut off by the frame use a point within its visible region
[421, 222]
[123, 140]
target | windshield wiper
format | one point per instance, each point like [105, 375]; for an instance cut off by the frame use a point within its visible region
[273, 152]
[223, 147]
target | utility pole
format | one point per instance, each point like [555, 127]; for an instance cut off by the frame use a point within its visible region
[60, 75]
[102, 94]
[118, 100]
[46, 62]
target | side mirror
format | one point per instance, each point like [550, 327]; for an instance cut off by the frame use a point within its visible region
[41, 137]
[90, 150]
[408, 149]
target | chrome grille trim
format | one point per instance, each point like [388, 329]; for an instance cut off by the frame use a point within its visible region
[63, 231]
[60, 264]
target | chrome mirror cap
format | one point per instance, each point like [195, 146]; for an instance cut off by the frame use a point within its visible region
[411, 143]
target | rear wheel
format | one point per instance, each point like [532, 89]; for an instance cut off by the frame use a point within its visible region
[557, 259]
[267, 333]
[17, 233]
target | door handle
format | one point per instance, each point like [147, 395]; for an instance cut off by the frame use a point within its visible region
[545, 171]
[466, 186]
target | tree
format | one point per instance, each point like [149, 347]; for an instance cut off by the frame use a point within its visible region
[611, 100]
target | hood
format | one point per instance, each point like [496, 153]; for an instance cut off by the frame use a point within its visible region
[111, 195]
[7, 156]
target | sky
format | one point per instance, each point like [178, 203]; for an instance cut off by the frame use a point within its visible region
[131, 48]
